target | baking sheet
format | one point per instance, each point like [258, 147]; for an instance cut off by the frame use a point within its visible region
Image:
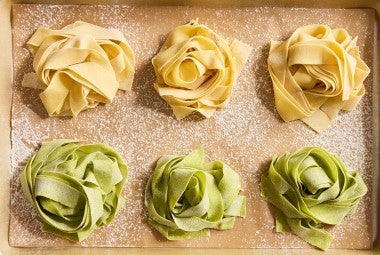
[140, 125]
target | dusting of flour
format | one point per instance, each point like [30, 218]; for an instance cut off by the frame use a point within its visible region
[140, 125]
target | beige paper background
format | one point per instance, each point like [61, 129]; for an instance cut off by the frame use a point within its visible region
[279, 122]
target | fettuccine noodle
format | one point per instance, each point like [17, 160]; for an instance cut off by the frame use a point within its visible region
[186, 196]
[309, 188]
[316, 73]
[79, 67]
[74, 187]
[196, 69]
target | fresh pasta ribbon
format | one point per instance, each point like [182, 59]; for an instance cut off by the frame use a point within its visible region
[185, 196]
[196, 69]
[316, 73]
[75, 188]
[79, 67]
[309, 188]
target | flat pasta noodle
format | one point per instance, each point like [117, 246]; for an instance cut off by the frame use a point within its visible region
[311, 187]
[79, 66]
[196, 69]
[186, 196]
[75, 188]
[316, 73]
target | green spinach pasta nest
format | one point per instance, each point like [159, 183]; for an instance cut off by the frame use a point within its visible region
[186, 197]
[309, 188]
[74, 187]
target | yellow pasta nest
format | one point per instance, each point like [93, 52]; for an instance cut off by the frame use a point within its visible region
[196, 69]
[316, 73]
[79, 67]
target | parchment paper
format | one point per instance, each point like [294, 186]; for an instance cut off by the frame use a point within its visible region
[140, 125]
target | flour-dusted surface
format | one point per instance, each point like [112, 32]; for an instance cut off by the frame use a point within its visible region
[140, 125]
